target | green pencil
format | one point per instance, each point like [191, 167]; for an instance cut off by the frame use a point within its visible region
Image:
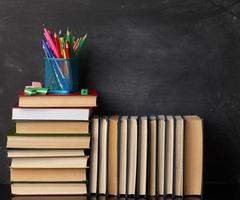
[81, 44]
[69, 38]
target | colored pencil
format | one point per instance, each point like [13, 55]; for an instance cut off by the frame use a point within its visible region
[63, 47]
[67, 50]
[52, 46]
[56, 41]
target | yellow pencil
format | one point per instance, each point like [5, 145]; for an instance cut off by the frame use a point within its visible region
[61, 42]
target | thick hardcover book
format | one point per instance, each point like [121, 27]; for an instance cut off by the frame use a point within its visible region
[53, 100]
[193, 155]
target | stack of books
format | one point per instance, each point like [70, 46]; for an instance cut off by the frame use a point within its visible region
[146, 156]
[47, 150]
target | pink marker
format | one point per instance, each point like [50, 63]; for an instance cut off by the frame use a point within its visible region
[51, 44]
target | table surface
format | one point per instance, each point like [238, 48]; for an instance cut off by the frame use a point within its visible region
[211, 192]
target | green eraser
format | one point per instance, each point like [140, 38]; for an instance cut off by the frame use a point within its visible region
[84, 91]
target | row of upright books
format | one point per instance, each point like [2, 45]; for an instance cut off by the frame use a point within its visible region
[146, 156]
[101, 197]
[48, 148]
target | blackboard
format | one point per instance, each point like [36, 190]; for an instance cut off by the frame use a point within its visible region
[143, 57]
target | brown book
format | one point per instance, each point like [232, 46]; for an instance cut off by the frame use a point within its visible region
[54, 100]
[61, 162]
[193, 155]
[25, 153]
[132, 156]
[113, 156]
[94, 155]
[47, 175]
[53, 197]
[152, 155]
[160, 155]
[48, 188]
[169, 155]
[51, 127]
[123, 155]
[178, 166]
[102, 169]
[48, 142]
[142, 164]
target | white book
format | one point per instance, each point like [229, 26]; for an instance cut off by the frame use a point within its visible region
[169, 156]
[82, 114]
[102, 170]
[123, 155]
[142, 164]
[94, 155]
[132, 156]
[160, 155]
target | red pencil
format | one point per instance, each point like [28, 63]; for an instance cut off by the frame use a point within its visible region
[56, 42]
[67, 50]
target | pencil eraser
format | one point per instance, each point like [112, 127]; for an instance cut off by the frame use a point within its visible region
[36, 84]
[84, 91]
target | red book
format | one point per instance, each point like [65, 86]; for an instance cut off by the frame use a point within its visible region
[71, 100]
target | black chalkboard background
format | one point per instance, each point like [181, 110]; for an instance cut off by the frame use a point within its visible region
[143, 57]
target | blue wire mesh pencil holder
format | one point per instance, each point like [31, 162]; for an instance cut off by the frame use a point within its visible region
[61, 75]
